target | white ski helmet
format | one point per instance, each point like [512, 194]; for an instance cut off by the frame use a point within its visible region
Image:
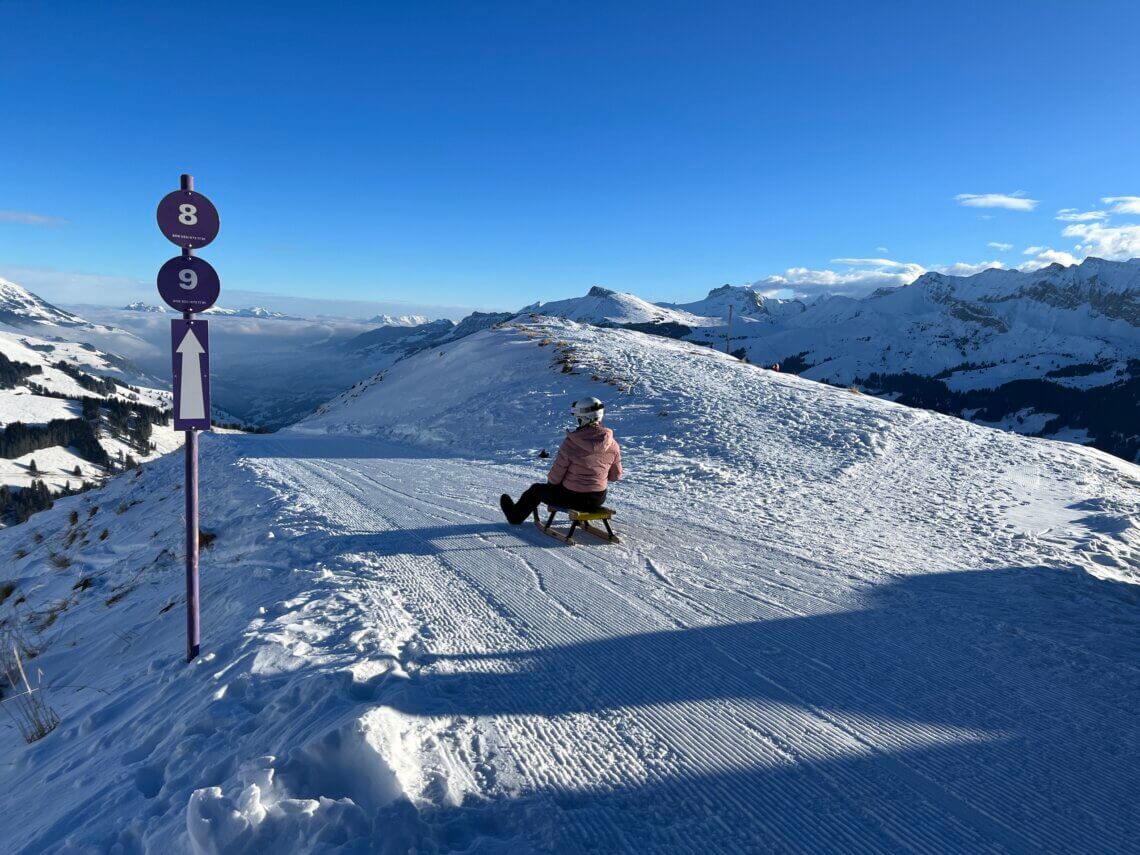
[588, 410]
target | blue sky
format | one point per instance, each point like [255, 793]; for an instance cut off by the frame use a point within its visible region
[491, 154]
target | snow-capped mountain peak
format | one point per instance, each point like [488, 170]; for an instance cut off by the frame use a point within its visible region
[399, 320]
[744, 301]
[21, 308]
[140, 306]
[603, 306]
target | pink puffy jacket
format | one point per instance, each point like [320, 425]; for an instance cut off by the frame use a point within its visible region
[588, 460]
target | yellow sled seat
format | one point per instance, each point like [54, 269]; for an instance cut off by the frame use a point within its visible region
[586, 516]
[604, 515]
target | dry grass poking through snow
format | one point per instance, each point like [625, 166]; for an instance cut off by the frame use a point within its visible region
[27, 706]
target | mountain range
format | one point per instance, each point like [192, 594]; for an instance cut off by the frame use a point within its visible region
[399, 320]
[1053, 352]
[250, 312]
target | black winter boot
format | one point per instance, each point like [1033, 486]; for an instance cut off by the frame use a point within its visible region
[508, 509]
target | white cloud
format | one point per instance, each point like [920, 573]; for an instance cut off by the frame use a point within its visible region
[1072, 215]
[1016, 201]
[962, 268]
[862, 276]
[869, 262]
[882, 249]
[804, 282]
[1032, 250]
[1123, 204]
[999, 246]
[1045, 256]
[28, 218]
[1113, 242]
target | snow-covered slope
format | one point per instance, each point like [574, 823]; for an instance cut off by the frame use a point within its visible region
[396, 341]
[981, 330]
[44, 381]
[731, 420]
[835, 624]
[21, 308]
[1053, 352]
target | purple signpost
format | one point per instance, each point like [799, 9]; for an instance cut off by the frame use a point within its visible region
[189, 284]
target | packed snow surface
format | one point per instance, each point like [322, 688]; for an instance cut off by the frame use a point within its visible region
[834, 624]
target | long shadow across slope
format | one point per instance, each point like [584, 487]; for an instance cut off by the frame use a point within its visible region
[1006, 697]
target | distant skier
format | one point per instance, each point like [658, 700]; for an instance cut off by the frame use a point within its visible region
[588, 460]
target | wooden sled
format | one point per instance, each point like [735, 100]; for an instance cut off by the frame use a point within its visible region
[583, 518]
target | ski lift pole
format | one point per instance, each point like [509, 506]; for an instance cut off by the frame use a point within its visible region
[728, 332]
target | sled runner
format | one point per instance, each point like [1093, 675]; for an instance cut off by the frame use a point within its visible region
[602, 515]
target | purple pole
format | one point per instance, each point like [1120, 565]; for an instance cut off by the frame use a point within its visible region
[193, 629]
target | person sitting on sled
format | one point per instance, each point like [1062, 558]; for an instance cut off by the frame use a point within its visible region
[588, 460]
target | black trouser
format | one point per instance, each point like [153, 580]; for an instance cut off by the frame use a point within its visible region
[556, 494]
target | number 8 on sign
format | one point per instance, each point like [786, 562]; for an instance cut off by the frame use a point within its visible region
[188, 219]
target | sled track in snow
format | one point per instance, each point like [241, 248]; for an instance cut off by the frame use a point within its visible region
[703, 716]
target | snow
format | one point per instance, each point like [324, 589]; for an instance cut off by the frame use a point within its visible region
[56, 465]
[1023, 324]
[1017, 324]
[250, 312]
[19, 405]
[744, 302]
[400, 320]
[601, 305]
[20, 307]
[834, 624]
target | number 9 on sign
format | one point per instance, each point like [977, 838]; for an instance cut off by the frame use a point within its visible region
[188, 284]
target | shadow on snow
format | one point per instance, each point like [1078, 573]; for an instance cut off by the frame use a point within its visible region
[1011, 694]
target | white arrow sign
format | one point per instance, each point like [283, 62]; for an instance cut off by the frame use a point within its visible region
[192, 402]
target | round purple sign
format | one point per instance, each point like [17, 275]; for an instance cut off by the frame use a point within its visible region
[188, 284]
[188, 219]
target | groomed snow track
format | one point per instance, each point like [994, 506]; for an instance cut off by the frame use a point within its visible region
[833, 624]
[650, 698]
